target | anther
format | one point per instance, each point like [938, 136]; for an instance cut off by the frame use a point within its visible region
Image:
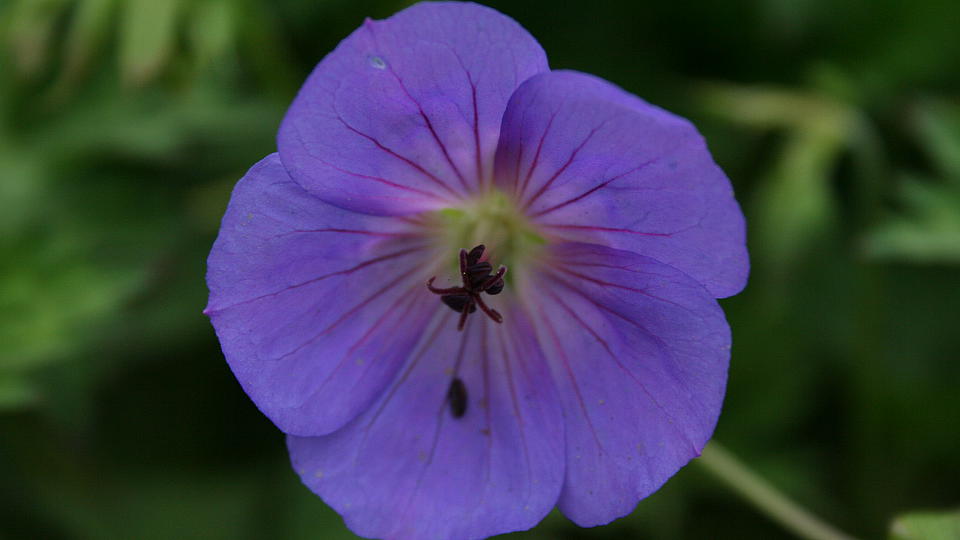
[476, 279]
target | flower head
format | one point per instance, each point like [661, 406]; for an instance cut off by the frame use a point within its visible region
[471, 289]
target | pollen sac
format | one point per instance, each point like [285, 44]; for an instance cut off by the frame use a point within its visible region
[478, 273]
[457, 301]
[496, 288]
[473, 257]
[457, 396]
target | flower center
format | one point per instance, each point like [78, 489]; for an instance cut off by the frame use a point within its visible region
[494, 220]
[477, 279]
[501, 233]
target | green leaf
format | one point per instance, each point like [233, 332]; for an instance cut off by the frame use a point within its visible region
[926, 526]
[938, 125]
[927, 231]
[794, 205]
[52, 299]
[16, 391]
[88, 30]
[771, 107]
[212, 30]
[29, 26]
[148, 35]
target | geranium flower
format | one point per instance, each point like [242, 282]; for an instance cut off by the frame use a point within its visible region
[592, 377]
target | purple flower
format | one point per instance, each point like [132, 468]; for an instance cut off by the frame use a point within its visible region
[582, 378]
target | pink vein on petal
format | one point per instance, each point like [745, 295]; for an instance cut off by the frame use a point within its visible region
[476, 116]
[485, 365]
[536, 156]
[390, 310]
[415, 359]
[349, 353]
[345, 316]
[347, 271]
[605, 229]
[365, 176]
[659, 342]
[349, 231]
[573, 380]
[384, 345]
[476, 130]
[433, 132]
[406, 160]
[624, 287]
[617, 361]
[590, 191]
[440, 418]
[513, 396]
[546, 185]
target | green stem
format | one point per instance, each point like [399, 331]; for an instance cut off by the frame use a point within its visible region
[765, 497]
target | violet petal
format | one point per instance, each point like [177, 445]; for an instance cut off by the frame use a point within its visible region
[300, 293]
[592, 163]
[639, 352]
[405, 114]
[409, 468]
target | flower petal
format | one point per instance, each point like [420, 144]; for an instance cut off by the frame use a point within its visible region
[311, 302]
[405, 114]
[640, 353]
[593, 163]
[408, 468]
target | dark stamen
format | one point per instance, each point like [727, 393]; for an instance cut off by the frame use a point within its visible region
[474, 256]
[492, 313]
[496, 279]
[434, 290]
[476, 278]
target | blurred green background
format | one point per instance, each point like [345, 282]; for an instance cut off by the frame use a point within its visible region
[125, 123]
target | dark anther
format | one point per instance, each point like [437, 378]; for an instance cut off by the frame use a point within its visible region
[458, 301]
[457, 396]
[474, 256]
[476, 278]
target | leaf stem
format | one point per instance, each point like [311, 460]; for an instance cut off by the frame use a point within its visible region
[765, 497]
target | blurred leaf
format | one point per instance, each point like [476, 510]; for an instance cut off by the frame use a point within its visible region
[151, 505]
[926, 526]
[15, 391]
[22, 189]
[30, 29]
[938, 125]
[51, 298]
[88, 30]
[148, 35]
[266, 49]
[928, 229]
[795, 204]
[767, 107]
[212, 29]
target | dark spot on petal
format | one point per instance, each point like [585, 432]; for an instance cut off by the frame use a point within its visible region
[457, 396]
